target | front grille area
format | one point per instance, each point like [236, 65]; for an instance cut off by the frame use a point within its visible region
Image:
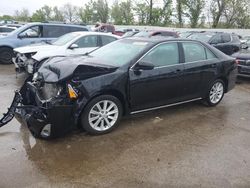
[244, 62]
[48, 91]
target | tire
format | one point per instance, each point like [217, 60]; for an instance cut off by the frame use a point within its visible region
[95, 118]
[6, 55]
[215, 93]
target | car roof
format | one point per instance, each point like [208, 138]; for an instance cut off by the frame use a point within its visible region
[56, 24]
[156, 40]
[85, 33]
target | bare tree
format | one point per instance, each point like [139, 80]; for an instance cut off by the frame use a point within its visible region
[194, 11]
[216, 9]
[70, 12]
[22, 15]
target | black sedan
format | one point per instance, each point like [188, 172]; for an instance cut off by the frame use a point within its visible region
[125, 77]
[228, 43]
[243, 60]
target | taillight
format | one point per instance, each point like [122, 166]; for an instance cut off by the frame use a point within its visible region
[237, 61]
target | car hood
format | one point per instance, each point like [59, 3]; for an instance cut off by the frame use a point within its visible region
[242, 54]
[59, 69]
[35, 48]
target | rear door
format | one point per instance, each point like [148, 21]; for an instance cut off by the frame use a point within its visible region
[199, 67]
[222, 41]
[51, 32]
[162, 84]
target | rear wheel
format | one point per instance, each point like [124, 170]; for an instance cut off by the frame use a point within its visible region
[101, 115]
[6, 55]
[215, 93]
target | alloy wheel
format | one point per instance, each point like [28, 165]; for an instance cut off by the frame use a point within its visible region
[103, 115]
[216, 92]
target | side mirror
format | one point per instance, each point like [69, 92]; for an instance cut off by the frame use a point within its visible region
[73, 46]
[22, 35]
[142, 65]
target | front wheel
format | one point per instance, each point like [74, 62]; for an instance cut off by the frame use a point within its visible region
[101, 115]
[215, 93]
[6, 55]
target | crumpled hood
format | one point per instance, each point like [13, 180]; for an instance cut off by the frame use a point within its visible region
[242, 54]
[59, 69]
[35, 48]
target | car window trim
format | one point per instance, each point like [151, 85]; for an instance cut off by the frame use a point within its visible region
[131, 68]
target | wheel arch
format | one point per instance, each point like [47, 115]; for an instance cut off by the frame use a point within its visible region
[7, 46]
[116, 94]
[225, 80]
[112, 92]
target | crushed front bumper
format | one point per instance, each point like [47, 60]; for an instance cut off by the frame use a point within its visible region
[23, 64]
[38, 115]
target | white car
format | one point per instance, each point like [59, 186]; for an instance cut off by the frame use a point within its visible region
[31, 57]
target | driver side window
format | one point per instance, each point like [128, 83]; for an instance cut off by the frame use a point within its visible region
[32, 32]
[163, 55]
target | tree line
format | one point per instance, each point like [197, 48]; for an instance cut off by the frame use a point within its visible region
[171, 13]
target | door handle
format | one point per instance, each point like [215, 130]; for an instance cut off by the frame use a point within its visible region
[178, 70]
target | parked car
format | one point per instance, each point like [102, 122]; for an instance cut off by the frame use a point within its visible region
[226, 42]
[104, 27]
[127, 76]
[4, 30]
[123, 31]
[130, 34]
[30, 58]
[186, 34]
[33, 33]
[152, 33]
[243, 60]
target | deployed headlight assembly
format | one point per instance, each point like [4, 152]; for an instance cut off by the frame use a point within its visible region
[48, 91]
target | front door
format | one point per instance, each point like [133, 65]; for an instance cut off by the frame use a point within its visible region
[162, 84]
[85, 44]
[30, 36]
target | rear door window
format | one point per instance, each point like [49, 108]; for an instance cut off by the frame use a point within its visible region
[193, 52]
[216, 39]
[107, 39]
[53, 31]
[226, 38]
[87, 41]
[209, 54]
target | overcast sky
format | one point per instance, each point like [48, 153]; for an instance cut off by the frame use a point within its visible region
[9, 6]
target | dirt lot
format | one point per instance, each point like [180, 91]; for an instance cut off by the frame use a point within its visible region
[184, 146]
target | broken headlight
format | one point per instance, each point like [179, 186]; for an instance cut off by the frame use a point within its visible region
[49, 91]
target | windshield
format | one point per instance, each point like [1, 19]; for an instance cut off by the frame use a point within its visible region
[204, 37]
[120, 52]
[65, 39]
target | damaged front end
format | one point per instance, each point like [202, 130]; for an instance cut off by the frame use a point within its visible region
[24, 62]
[45, 108]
